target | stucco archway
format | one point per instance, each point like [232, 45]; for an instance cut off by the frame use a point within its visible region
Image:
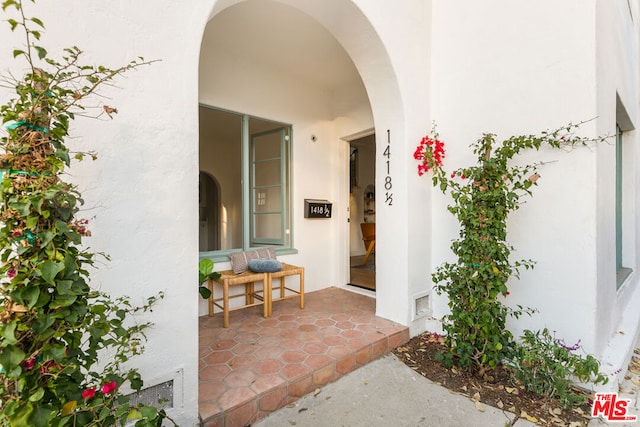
[353, 30]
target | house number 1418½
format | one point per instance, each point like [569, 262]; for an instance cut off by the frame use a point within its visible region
[388, 185]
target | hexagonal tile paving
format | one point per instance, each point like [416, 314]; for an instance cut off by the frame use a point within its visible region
[258, 365]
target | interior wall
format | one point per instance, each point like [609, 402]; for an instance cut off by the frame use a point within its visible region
[366, 176]
[221, 160]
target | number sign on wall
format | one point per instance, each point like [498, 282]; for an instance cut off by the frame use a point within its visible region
[317, 208]
[388, 184]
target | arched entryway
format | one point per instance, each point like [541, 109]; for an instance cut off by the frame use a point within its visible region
[261, 58]
[315, 72]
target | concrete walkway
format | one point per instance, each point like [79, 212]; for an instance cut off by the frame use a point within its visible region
[386, 393]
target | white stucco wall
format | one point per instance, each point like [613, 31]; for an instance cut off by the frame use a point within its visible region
[617, 318]
[502, 66]
[140, 194]
[520, 69]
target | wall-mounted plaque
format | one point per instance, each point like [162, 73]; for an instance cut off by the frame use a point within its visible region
[317, 208]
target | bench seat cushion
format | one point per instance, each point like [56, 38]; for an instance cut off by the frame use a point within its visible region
[264, 265]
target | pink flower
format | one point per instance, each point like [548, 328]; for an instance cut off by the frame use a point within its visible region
[11, 273]
[419, 153]
[109, 387]
[28, 363]
[430, 153]
[89, 393]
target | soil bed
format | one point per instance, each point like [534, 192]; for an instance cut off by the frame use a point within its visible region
[497, 389]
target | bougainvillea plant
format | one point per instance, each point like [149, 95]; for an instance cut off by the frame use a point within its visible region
[63, 345]
[476, 284]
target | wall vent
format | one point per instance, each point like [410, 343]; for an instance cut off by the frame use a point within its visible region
[159, 395]
[422, 306]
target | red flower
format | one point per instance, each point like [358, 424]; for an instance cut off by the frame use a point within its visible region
[89, 393]
[109, 387]
[430, 153]
[12, 273]
[47, 366]
[419, 153]
[28, 363]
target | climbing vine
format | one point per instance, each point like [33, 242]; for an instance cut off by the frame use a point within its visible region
[54, 328]
[476, 284]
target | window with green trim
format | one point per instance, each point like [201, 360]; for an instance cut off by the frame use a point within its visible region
[244, 182]
[622, 271]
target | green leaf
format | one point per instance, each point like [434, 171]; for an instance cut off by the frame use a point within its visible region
[32, 221]
[12, 22]
[63, 301]
[17, 52]
[148, 412]
[29, 295]
[49, 270]
[8, 3]
[42, 52]
[204, 292]
[205, 267]
[11, 357]
[37, 395]
[7, 331]
[21, 207]
[134, 414]
[37, 21]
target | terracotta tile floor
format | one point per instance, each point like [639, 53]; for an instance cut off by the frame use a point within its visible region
[258, 365]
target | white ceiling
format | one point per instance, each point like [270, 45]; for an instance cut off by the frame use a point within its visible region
[285, 39]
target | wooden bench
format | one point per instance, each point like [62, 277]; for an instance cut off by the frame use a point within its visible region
[227, 279]
[264, 296]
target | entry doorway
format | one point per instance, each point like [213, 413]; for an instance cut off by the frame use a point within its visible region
[362, 212]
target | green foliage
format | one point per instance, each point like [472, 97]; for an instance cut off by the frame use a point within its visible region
[53, 327]
[546, 366]
[483, 196]
[205, 272]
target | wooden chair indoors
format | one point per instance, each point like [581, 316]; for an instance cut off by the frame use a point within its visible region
[369, 238]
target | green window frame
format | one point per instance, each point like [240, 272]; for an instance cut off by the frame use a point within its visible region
[268, 178]
[622, 272]
[265, 162]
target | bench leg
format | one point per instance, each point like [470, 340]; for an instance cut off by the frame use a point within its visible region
[248, 293]
[266, 300]
[210, 284]
[302, 289]
[225, 303]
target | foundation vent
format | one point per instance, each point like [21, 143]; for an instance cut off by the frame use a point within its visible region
[422, 306]
[159, 395]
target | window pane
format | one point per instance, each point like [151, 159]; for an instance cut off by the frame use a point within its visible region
[267, 146]
[268, 227]
[221, 191]
[244, 181]
[267, 172]
[268, 200]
